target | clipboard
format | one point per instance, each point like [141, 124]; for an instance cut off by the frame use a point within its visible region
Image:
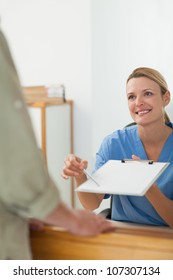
[124, 177]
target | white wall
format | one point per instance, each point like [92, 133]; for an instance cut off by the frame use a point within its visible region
[91, 46]
[126, 35]
[51, 43]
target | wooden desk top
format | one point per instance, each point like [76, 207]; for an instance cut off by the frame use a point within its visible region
[125, 243]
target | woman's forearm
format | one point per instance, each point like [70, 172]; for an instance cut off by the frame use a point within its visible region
[89, 201]
[161, 203]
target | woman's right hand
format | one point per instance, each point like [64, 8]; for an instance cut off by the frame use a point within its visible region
[73, 167]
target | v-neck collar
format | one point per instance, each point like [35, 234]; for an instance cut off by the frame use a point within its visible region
[165, 153]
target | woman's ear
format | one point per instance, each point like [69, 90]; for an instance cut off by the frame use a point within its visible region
[167, 98]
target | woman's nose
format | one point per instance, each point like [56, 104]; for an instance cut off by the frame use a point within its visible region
[139, 100]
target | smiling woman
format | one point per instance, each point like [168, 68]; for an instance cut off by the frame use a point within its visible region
[150, 138]
[149, 88]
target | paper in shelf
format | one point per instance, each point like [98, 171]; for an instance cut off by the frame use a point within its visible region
[124, 178]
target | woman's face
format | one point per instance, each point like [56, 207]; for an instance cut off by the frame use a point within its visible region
[145, 100]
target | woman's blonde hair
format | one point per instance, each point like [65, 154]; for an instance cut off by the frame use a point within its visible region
[154, 75]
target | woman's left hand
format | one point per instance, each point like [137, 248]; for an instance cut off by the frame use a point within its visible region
[135, 157]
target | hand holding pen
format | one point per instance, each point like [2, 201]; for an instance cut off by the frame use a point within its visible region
[74, 167]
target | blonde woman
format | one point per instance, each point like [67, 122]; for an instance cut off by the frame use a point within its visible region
[151, 138]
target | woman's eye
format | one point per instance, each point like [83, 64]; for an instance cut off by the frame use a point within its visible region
[131, 97]
[148, 93]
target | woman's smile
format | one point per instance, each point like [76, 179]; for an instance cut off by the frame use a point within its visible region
[143, 112]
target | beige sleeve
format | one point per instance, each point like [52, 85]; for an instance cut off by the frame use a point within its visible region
[25, 185]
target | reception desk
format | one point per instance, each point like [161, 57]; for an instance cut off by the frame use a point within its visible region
[126, 242]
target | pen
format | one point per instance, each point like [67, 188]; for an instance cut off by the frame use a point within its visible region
[89, 176]
[150, 161]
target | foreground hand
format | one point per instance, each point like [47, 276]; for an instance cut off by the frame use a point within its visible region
[36, 225]
[80, 222]
[90, 224]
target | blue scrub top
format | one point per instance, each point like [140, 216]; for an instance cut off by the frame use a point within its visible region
[123, 144]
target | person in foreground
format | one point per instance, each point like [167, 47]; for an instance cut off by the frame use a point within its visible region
[26, 190]
[150, 138]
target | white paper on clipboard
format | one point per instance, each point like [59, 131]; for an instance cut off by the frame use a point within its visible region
[124, 178]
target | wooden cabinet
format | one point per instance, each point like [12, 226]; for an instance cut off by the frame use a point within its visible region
[52, 120]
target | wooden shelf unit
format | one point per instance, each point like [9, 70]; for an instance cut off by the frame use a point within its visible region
[37, 97]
